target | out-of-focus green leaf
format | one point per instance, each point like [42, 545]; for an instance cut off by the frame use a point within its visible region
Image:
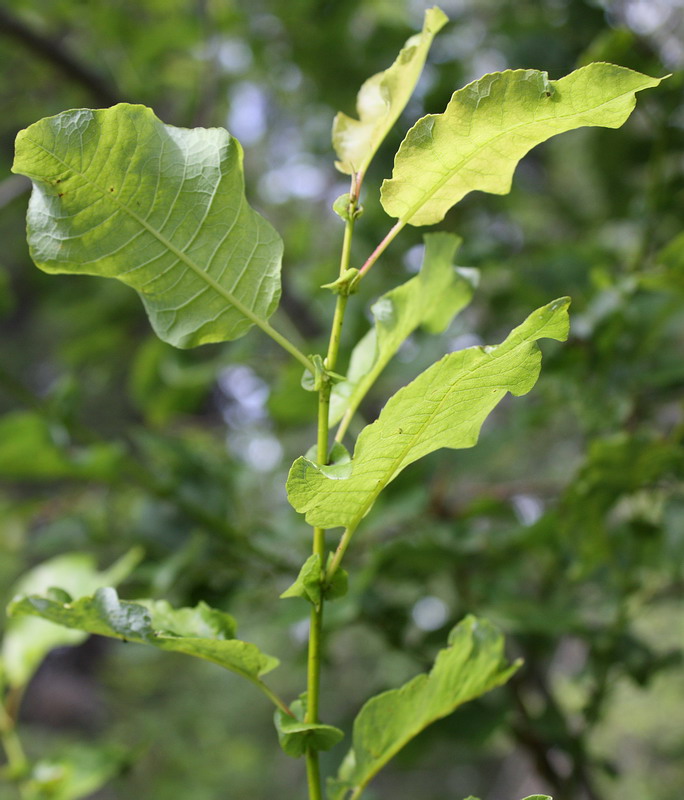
[119, 194]
[76, 772]
[296, 736]
[381, 99]
[28, 640]
[33, 449]
[445, 406]
[470, 665]
[431, 300]
[202, 631]
[489, 125]
[531, 797]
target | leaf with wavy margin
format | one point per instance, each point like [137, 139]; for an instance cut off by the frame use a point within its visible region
[118, 193]
[27, 640]
[201, 631]
[470, 665]
[381, 100]
[490, 124]
[445, 406]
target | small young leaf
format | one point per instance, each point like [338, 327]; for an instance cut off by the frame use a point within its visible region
[445, 406]
[119, 194]
[28, 640]
[469, 666]
[490, 125]
[381, 99]
[430, 299]
[308, 584]
[202, 631]
[296, 736]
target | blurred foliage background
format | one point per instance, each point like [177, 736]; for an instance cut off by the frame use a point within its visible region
[565, 525]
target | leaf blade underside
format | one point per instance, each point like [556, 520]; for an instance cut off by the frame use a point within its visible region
[119, 194]
[445, 406]
[381, 100]
[490, 124]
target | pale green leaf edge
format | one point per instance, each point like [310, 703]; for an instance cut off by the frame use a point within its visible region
[381, 100]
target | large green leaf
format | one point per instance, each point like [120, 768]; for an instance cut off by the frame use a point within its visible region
[28, 640]
[381, 99]
[445, 406]
[430, 299]
[201, 631]
[469, 666]
[489, 125]
[118, 193]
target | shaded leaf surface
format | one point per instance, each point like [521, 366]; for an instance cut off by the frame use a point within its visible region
[430, 299]
[201, 631]
[489, 125]
[118, 193]
[27, 640]
[445, 406]
[381, 100]
[296, 736]
[469, 666]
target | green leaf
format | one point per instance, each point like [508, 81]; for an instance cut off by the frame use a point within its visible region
[381, 99]
[430, 299]
[308, 584]
[76, 772]
[33, 449]
[119, 194]
[470, 665]
[202, 631]
[445, 406]
[296, 736]
[28, 640]
[489, 125]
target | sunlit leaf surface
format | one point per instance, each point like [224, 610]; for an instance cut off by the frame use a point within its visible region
[381, 99]
[489, 125]
[445, 406]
